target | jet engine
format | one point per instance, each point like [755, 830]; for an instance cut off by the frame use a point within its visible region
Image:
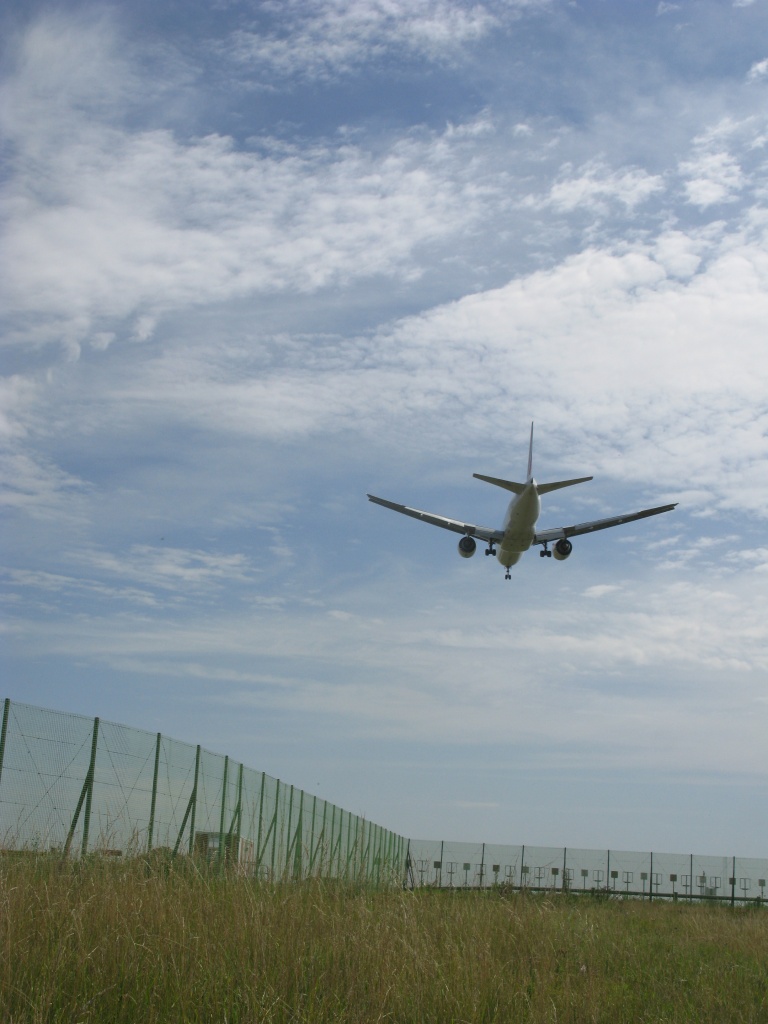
[562, 549]
[467, 547]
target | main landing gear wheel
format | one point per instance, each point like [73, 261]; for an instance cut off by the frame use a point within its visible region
[546, 553]
[490, 550]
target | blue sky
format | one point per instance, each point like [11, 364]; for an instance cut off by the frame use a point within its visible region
[261, 258]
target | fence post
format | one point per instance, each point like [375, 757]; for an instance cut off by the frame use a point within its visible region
[312, 836]
[220, 856]
[274, 833]
[338, 850]
[298, 853]
[288, 843]
[341, 839]
[89, 784]
[4, 732]
[233, 837]
[361, 860]
[340, 844]
[331, 848]
[239, 812]
[733, 882]
[154, 795]
[324, 839]
[351, 849]
[190, 810]
[383, 839]
[84, 792]
[193, 799]
[258, 834]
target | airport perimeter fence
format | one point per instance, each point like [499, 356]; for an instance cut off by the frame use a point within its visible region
[73, 785]
[442, 864]
[76, 785]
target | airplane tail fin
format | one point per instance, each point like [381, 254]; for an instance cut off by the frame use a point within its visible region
[517, 488]
[557, 484]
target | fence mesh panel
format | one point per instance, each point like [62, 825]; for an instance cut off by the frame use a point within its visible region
[444, 864]
[79, 785]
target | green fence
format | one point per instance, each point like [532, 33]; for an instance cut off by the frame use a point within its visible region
[79, 785]
[444, 864]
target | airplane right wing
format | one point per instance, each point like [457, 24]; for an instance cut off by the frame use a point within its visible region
[468, 529]
[545, 536]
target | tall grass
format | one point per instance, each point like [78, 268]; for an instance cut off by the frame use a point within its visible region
[99, 941]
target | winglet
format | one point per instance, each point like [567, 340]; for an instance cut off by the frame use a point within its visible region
[530, 456]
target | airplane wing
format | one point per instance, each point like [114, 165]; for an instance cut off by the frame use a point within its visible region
[456, 525]
[545, 536]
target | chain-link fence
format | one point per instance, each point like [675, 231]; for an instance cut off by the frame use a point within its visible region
[676, 875]
[79, 785]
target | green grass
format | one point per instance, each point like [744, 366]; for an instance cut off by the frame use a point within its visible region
[102, 941]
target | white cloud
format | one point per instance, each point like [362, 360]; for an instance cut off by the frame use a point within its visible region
[655, 654]
[278, 324]
[170, 568]
[680, 253]
[322, 39]
[36, 487]
[712, 178]
[107, 223]
[593, 187]
[601, 589]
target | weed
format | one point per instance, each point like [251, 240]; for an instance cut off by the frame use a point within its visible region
[156, 940]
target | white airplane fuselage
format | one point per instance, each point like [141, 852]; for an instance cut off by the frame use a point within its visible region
[519, 525]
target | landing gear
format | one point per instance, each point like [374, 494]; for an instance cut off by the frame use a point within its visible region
[545, 553]
[490, 550]
[508, 575]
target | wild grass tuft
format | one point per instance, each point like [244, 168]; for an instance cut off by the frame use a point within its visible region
[100, 940]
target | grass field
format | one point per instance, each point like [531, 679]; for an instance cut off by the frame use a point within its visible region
[101, 941]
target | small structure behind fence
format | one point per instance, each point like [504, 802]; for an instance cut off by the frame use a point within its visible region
[77, 785]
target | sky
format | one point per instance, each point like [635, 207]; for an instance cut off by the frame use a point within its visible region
[260, 258]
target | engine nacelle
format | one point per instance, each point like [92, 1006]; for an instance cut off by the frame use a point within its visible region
[562, 549]
[467, 547]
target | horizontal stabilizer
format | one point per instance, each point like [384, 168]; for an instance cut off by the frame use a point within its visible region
[546, 488]
[508, 485]
[516, 488]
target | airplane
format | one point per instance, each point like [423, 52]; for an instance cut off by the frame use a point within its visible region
[519, 531]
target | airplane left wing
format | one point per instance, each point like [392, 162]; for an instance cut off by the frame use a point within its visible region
[468, 529]
[545, 536]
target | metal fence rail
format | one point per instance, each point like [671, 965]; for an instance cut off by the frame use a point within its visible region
[79, 785]
[443, 864]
